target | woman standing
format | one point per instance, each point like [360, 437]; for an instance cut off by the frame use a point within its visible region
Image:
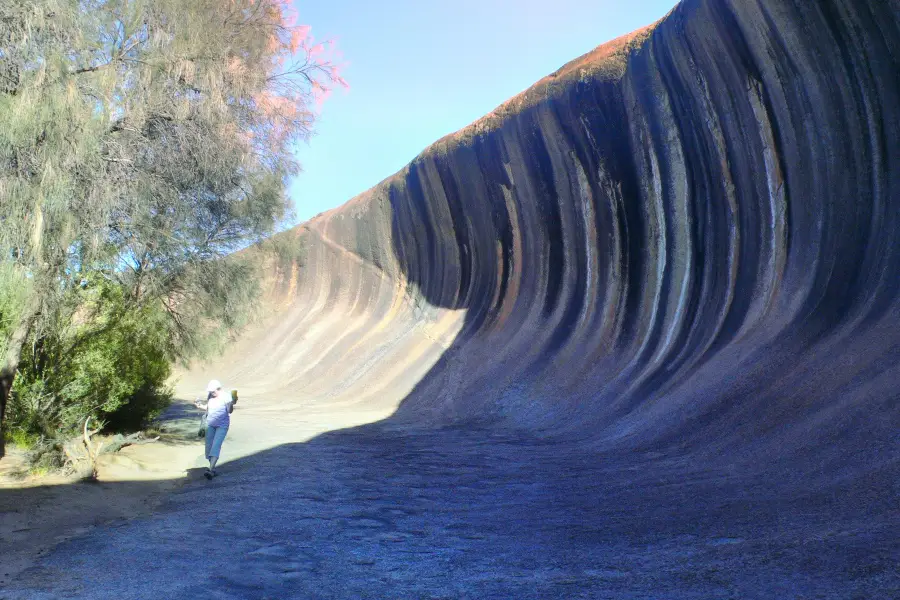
[218, 407]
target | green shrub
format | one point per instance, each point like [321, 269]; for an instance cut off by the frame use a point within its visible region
[22, 438]
[46, 456]
[141, 409]
[109, 359]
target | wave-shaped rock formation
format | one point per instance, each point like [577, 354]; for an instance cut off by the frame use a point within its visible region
[685, 239]
[636, 333]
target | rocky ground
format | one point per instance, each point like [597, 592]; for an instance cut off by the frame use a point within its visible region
[377, 512]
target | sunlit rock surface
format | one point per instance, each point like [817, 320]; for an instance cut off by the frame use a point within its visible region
[687, 237]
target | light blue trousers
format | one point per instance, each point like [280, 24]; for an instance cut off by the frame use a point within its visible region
[214, 438]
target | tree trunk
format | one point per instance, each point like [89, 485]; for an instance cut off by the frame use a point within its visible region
[6, 381]
[11, 364]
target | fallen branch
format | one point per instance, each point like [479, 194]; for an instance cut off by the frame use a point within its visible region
[135, 439]
[85, 453]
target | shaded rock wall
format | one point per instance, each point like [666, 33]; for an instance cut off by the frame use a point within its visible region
[687, 238]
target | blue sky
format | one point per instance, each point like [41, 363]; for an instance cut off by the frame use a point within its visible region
[420, 69]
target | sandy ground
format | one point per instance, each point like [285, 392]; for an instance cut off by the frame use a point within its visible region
[39, 512]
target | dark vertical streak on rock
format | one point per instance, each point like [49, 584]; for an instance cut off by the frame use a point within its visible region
[551, 224]
[490, 163]
[688, 237]
[460, 229]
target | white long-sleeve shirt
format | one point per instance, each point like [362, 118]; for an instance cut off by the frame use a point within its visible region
[218, 409]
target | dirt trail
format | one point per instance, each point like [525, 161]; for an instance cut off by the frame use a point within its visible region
[38, 512]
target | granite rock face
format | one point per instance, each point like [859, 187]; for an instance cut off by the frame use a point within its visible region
[686, 238]
[635, 334]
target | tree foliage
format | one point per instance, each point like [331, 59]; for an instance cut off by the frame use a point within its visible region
[111, 359]
[140, 142]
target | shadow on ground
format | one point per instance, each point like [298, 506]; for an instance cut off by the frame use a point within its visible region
[376, 512]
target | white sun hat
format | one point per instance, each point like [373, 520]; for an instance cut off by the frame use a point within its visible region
[213, 385]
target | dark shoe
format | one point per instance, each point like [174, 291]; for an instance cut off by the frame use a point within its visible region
[209, 474]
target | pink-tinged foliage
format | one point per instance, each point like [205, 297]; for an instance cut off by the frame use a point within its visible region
[299, 37]
[289, 15]
[299, 74]
[320, 94]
